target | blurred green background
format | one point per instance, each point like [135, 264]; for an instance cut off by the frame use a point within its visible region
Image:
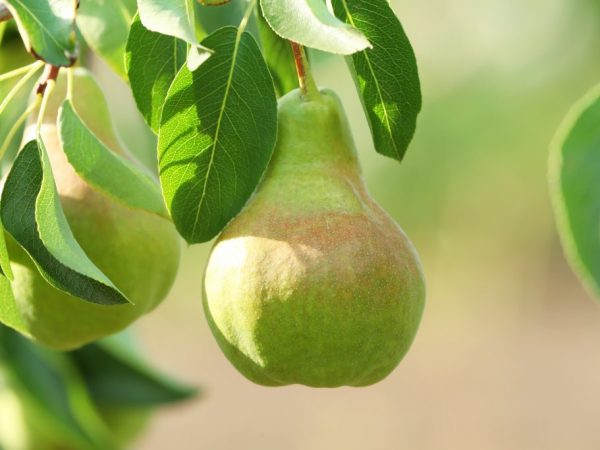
[507, 356]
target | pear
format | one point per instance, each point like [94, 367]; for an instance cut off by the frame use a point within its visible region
[313, 283]
[139, 251]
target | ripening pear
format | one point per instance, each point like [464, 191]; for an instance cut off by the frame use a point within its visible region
[313, 283]
[137, 250]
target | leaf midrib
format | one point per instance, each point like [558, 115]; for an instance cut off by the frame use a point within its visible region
[238, 38]
[376, 81]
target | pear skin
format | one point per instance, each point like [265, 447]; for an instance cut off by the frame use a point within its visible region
[313, 283]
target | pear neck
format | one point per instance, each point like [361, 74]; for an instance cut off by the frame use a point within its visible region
[313, 132]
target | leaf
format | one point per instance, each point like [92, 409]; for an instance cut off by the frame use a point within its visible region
[104, 169]
[309, 22]
[54, 396]
[115, 375]
[218, 131]
[152, 61]
[386, 76]
[47, 28]
[4, 259]
[279, 56]
[172, 18]
[574, 175]
[31, 212]
[14, 109]
[104, 25]
[9, 311]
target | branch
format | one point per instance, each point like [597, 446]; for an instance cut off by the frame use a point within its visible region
[4, 13]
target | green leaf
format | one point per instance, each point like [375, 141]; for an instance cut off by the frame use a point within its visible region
[309, 22]
[13, 110]
[218, 130]
[31, 212]
[574, 175]
[9, 311]
[47, 28]
[104, 169]
[174, 18]
[4, 259]
[116, 375]
[279, 56]
[54, 395]
[386, 75]
[104, 25]
[152, 61]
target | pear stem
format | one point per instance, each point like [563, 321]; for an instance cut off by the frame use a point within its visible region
[308, 87]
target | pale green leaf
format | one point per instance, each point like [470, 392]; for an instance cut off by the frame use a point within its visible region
[4, 258]
[105, 170]
[173, 18]
[104, 25]
[310, 23]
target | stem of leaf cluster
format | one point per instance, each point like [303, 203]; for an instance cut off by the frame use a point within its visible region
[49, 87]
[32, 69]
[70, 84]
[308, 87]
[21, 70]
[18, 123]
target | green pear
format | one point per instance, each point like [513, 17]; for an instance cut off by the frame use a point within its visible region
[313, 283]
[139, 251]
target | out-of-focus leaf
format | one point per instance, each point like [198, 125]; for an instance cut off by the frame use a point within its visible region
[47, 28]
[217, 134]
[575, 188]
[54, 396]
[279, 57]
[31, 212]
[386, 76]
[309, 22]
[104, 169]
[104, 25]
[152, 61]
[117, 376]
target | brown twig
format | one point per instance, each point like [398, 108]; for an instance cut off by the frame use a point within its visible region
[50, 74]
[4, 14]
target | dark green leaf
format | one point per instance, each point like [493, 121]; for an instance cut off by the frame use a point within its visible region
[117, 376]
[309, 22]
[53, 395]
[386, 75]
[31, 212]
[105, 170]
[47, 28]
[575, 172]
[104, 25]
[218, 130]
[152, 61]
[279, 56]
